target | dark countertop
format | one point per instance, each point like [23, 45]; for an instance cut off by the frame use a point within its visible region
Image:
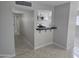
[46, 28]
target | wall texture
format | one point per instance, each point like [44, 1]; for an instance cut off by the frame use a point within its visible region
[6, 30]
[36, 6]
[72, 25]
[77, 31]
[61, 17]
[27, 26]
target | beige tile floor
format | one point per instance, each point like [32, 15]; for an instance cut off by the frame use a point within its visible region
[51, 51]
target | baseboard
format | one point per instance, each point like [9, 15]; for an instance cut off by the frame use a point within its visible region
[7, 56]
[59, 45]
[40, 46]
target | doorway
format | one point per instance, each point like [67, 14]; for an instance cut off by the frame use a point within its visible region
[19, 42]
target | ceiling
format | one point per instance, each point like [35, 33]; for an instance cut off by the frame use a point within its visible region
[51, 3]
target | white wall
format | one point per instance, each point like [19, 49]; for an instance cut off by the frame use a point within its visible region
[27, 26]
[77, 31]
[43, 38]
[77, 24]
[72, 25]
[7, 47]
[61, 17]
[36, 6]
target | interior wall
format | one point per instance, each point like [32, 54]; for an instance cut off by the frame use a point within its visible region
[77, 31]
[61, 17]
[7, 48]
[36, 6]
[77, 25]
[72, 25]
[27, 25]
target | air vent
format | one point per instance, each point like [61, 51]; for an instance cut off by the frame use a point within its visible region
[24, 3]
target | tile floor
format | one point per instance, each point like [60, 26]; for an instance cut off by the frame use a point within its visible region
[45, 52]
[51, 51]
